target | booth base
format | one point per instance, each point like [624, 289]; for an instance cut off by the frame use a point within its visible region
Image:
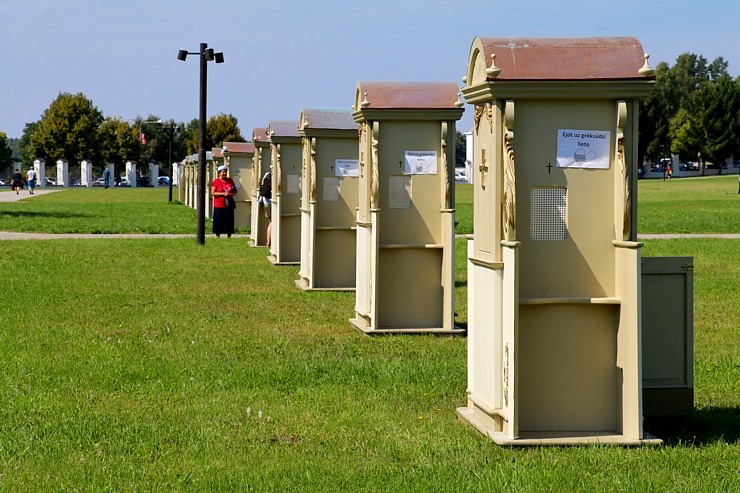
[303, 284]
[273, 260]
[361, 325]
[554, 438]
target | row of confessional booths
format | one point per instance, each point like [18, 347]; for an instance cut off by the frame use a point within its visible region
[572, 335]
[131, 177]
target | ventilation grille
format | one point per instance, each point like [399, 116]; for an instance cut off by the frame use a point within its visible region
[549, 213]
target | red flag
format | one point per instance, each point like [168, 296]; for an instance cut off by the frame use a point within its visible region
[143, 138]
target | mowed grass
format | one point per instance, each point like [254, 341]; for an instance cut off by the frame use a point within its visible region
[682, 205]
[708, 204]
[97, 210]
[160, 365]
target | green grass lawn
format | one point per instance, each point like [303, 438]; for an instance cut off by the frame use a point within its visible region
[689, 205]
[161, 365]
[682, 205]
[97, 210]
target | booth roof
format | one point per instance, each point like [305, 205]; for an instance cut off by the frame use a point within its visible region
[284, 128]
[605, 58]
[239, 147]
[259, 134]
[408, 95]
[328, 118]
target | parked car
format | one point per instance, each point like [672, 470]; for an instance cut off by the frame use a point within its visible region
[460, 176]
[163, 180]
[100, 182]
[50, 182]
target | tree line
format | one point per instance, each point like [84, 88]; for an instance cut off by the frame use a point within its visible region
[73, 128]
[693, 111]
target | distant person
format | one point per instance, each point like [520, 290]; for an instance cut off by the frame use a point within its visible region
[265, 201]
[669, 171]
[223, 190]
[106, 177]
[31, 180]
[16, 181]
[118, 180]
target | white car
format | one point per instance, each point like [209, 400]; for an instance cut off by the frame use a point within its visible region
[460, 176]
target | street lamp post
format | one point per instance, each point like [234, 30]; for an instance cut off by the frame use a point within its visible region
[206, 55]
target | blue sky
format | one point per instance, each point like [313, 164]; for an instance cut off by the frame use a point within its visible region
[281, 55]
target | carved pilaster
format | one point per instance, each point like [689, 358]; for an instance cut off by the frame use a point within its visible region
[445, 171]
[509, 197]
[374, 165]
[505, 375]
[277, 172]
[313, 168]
[622, 167]
[363, 143]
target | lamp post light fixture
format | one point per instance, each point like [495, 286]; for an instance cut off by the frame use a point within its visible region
[206, 54]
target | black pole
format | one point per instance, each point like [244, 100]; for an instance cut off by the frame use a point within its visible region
[169, 174]
[201, 233]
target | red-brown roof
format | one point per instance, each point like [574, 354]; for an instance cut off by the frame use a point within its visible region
[407, 95]
[328, 118]
[605, 58]
[259, 134]
[239, 147]
[284, 128]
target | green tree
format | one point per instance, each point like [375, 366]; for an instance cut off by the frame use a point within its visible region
[24, 149]
[654, 128]
[717, 104]
[460, 146]
[219, 129]
[686, 141]
[119, 142]
[190, 136]
[6, 153]
[68, 130]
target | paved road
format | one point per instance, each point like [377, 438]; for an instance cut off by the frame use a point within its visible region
[9, 196]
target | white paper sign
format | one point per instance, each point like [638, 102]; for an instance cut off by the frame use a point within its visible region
[583, 149]
[347, 167]
[420, 162]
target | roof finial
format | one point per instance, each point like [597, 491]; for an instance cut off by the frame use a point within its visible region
[493, 70]
[646, 69]
[365, 103]
[459, 103]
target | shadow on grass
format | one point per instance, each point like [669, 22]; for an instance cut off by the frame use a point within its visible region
[703, 427]
[55, 215]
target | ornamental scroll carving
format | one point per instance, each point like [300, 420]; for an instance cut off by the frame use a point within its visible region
[374, 166]
[622, 167]
[505, 375]
[312, 176]
[305, 178]
[362, 136]
[445, 171]
[489, 116]
[256, 165]
[477, 116]
[508, 219]
[277, 170]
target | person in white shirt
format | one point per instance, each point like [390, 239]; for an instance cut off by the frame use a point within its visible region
[31, 180]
